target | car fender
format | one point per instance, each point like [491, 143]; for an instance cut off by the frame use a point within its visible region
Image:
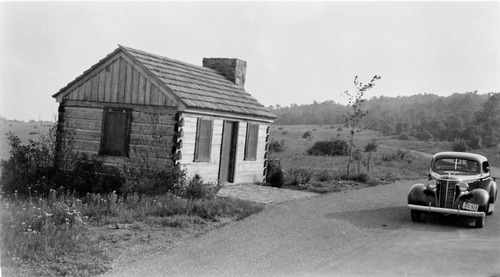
[477, 196]
[492, 190]
[419, 194]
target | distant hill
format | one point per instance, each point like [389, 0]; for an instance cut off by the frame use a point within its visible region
[464, 116]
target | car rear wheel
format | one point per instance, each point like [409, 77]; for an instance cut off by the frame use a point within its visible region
[480, 222]
[416, 216]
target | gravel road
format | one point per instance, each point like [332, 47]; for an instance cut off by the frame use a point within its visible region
[366, 232]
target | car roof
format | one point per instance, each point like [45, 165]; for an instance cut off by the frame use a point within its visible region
[460, 155]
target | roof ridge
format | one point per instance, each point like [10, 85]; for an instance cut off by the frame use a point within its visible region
[129, 49]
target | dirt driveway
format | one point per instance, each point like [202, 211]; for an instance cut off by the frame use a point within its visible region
[365, 232]
[262, 194]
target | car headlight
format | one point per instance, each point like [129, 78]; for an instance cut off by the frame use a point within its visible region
[432, 184]
[463, 187]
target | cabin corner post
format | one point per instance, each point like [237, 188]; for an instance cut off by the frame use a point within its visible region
[59, 136]
[266, 155]
[177, 139]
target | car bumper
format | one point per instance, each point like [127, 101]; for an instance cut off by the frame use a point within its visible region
[445, 211]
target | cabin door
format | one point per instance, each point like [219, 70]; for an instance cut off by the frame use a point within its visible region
[228, 151]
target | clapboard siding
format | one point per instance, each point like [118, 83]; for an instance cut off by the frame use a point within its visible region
[208, 170]
[121, 82]
[250, 171]
[245, 171]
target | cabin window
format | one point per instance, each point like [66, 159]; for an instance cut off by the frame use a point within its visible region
[116, 132]
[251, 142]
[203, 140]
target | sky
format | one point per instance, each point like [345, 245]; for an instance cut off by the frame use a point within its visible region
[296, 52]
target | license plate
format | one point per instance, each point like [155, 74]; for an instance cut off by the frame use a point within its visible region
[470, 206]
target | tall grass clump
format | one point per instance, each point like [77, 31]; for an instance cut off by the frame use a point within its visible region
[50, 236]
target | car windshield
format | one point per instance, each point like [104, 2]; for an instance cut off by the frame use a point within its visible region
[452, 165]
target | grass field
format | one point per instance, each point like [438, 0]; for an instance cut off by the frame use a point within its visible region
[296, 146]
[295, 157]
[86, 236]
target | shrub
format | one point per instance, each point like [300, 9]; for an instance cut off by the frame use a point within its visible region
[337, 147]
[284, 132]
[307, 134]
[92, 176]
[339, 129]
[33, 166]
[399, 155]
[324, 176]
[197, 189]
[151, 181]
[276, 146]
[371, 146]
[23, 168]
[404, 136]
[460, 145]
[299, 176]
[275, 176]
[475, 142]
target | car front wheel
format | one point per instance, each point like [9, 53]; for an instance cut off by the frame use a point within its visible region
[416, 216]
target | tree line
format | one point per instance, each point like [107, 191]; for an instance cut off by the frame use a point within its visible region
[469, 117]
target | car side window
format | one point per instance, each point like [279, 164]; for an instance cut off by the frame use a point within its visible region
[486, 167]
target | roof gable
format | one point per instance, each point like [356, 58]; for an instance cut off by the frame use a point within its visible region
[118, 79]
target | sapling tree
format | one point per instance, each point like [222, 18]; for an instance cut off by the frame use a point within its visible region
[355, 113]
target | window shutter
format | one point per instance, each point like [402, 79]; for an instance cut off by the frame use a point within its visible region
[203, 140]
[116, 132]
[251, 142]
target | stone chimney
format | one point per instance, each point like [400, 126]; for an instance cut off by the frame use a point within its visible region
[233, 69]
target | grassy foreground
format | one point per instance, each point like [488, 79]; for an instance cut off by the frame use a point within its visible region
[62, 235]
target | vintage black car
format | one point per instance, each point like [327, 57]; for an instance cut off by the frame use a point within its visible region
[459, 184]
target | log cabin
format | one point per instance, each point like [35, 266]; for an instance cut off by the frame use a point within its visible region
[134, 105]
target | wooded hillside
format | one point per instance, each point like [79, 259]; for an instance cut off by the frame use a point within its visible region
[471, 117]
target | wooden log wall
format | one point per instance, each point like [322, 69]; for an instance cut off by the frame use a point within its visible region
[87, 122]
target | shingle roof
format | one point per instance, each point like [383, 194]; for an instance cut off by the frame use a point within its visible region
[200, 87]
